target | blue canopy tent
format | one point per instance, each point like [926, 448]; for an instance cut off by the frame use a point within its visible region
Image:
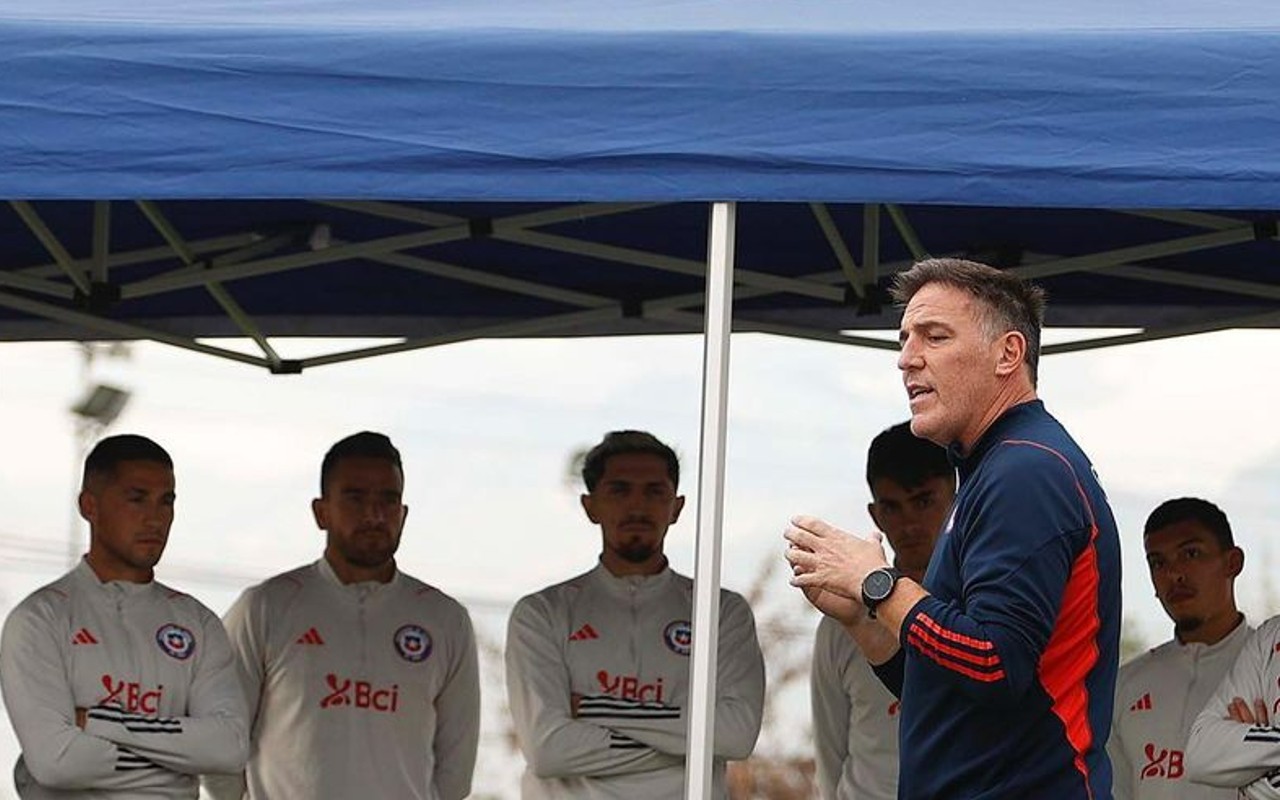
[314, 167]
[437, 172]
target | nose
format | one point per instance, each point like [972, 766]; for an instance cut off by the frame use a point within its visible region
[154, 516]
[375, 511]
[1172, 572]
[908, 354]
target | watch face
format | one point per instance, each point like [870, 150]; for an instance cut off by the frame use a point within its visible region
[878, 584]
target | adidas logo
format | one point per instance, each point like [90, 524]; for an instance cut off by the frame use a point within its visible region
[584, 633]
[83, 636]
[312, 636]
[1142, 703]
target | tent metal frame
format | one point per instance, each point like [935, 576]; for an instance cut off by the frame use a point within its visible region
[76, 291]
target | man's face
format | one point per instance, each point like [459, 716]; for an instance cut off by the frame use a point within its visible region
[634, 503]
[362, 512]
[129, 513]
[948, 365]
[911, 518]
[1192, 574]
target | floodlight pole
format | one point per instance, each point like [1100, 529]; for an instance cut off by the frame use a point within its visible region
[711, 457]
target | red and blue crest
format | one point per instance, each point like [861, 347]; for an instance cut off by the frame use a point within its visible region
[413, 643]
[176, 641]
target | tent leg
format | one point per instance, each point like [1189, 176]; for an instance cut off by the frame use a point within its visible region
[711, 457]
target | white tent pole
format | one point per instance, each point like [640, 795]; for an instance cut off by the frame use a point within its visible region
[706, 576]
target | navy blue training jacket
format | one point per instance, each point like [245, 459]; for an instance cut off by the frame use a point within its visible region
[1010, 664]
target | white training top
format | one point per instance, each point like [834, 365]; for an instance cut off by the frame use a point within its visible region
[153, 669]
[1158, 696]
[855, 721]
[621, 645]
[367, 690]
[1236, 754]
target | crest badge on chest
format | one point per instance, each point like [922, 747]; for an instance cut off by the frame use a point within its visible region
[413, 643]
[678, 637]
[176, 641]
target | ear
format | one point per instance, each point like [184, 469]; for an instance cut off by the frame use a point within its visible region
[871, 512]
[1012, 353]
[321, 513]
[676, 508]
[88, 505]
[1235, 561]
[586, 506]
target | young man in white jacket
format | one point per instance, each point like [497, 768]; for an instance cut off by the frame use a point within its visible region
[1194, 563]
[363, 681]
[598, 666]
[118, 686]
[855, 718]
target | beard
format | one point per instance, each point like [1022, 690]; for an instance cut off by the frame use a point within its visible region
[636, 552]
[1187, 625]
[368, 549]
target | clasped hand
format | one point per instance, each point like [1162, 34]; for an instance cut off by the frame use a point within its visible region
[829, 564]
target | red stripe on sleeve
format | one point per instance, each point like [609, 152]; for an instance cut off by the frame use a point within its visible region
[934, 643]
[985, 677]
[960, 638]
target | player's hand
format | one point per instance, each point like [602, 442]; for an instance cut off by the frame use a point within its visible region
[825, 557]
[1239, 710]
[82, 716]
[574, 700]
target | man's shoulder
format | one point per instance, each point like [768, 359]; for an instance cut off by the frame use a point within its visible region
[426, 595]
[684, 585]
[47, 601]
[555, 591]
[281, 588]
[1152, 659]
[1269, 628]
[183, 602]
[1267, 635]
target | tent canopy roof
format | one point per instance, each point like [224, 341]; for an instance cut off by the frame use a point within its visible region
[1122, 152]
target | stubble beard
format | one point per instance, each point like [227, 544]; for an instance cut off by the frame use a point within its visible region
[369, 551]
[1187, 625]
[636, 552]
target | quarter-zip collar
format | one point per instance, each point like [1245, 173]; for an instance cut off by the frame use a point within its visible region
[361, 590]
[991, 436]
[1200, 649]
[116, 590]
[629, 585]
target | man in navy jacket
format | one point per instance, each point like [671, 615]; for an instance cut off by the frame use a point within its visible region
[1006, 655]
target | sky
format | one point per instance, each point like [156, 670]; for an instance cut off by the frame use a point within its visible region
[487, 429]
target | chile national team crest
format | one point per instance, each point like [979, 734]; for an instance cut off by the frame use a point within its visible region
[679, 637]
[413, 643]
[176, 641]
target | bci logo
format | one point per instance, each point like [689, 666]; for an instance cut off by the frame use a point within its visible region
[360, 694]
[130, 696]
[629, 687]
[1162, 763]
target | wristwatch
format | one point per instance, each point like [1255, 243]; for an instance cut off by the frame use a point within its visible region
[877, 587]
